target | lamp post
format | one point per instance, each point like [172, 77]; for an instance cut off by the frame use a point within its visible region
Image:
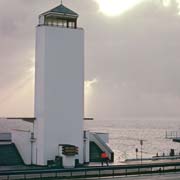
[141, 143]
[136, 153]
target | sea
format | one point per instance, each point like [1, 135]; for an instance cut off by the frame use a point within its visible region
[125, 135]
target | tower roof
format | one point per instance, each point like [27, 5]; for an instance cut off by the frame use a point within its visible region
[62, 10]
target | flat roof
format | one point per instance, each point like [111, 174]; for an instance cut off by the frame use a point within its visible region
[27, 119]
[32, 119]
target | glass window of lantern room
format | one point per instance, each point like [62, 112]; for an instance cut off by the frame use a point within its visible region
[71, 24]
[61, 22]
[55, 22]
[49, 21]
[46, 21]
[64, 23]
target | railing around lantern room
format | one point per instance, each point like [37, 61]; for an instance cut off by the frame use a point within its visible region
[58, 22]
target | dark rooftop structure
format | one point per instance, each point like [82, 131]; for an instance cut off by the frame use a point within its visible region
[61, 9]
[59, 16]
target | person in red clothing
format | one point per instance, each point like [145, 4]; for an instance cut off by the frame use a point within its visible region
[104, 158]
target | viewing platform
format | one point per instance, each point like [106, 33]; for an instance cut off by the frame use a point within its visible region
[172, 135]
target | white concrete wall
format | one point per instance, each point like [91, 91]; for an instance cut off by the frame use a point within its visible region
[67, 161]
[22, 141]
[38, 148]
[59, 91]
[86, 147]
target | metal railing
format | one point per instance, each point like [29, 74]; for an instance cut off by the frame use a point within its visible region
[61, 26]
[172, 134]
[109, 171]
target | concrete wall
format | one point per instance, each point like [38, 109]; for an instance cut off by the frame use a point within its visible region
[22, 141]
[86, 147]
[59, 91]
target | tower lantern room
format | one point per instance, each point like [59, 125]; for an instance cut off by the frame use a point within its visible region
[59, 16]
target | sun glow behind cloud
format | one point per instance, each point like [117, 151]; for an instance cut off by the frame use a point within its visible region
[118, 7]
[89, 86]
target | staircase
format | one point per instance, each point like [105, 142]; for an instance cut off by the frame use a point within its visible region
[9, 155]
[95, 152]
[97, 146]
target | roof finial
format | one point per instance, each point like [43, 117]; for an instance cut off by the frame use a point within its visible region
[61, 2]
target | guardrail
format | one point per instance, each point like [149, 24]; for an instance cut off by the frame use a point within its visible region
[109, 171]
[172, 134]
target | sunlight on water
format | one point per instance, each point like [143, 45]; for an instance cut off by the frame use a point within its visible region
[125, 136]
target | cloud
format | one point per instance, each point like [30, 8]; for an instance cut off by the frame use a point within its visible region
[119, 7]
[138, 63]
[90, 88]
[135, 57]
[116, 7]
[90, 83]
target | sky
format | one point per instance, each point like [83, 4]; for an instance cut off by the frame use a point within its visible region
[132, 56]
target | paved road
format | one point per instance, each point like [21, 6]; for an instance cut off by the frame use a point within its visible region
[147, 177]
[153, 177]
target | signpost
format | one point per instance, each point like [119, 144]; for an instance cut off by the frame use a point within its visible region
[141, 143]
[136, 153]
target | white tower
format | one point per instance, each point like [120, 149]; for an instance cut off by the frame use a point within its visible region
[59, 84]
